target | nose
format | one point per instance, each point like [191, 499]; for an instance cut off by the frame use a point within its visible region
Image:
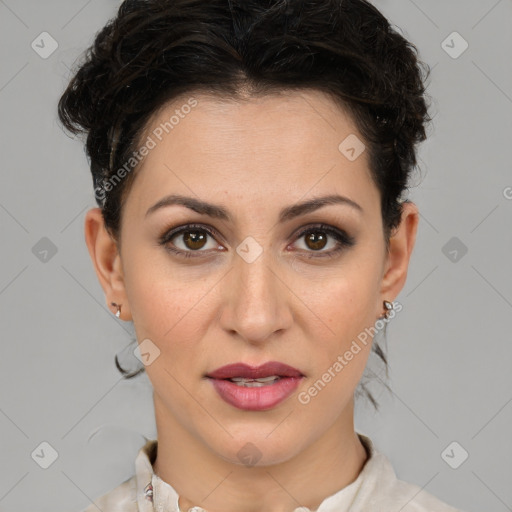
[256, 299]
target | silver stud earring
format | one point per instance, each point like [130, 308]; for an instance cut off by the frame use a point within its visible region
[118, 306]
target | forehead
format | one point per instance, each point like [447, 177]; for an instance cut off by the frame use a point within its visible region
[286, 142]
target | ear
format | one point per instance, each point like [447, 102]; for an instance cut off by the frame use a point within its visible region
[401, 245]
[105, 256]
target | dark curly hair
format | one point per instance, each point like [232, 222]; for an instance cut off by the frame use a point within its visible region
[155, 51]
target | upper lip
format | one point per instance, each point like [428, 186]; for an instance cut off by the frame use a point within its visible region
[254, 372]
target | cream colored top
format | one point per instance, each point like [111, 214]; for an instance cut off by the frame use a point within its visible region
[376, 489]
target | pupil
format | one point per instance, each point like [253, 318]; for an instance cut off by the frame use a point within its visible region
[194, 237]
[315, 238]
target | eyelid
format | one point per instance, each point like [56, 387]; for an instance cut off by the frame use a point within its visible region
[321, 226]
[178, 230]
[343, 239]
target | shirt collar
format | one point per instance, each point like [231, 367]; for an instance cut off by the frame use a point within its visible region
[154, 494]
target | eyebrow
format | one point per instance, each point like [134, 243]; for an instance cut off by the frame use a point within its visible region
[219, 212]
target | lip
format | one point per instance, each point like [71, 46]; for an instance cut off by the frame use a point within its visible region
[253, 372]
[255, 398]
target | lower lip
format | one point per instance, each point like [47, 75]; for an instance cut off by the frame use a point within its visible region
[256, 398]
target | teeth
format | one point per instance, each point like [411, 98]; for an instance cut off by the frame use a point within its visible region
[253, 384]
[262, 381]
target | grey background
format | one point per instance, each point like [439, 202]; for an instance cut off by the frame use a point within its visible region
[450, 348]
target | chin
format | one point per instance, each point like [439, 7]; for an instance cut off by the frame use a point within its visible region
[257, 450]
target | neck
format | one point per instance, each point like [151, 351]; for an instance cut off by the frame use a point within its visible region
[202, 478]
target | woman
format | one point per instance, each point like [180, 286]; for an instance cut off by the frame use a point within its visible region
[248, 162]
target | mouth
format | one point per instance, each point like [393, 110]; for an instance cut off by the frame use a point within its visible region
[255, 388]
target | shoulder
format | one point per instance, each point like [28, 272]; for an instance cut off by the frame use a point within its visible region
[413, 498]
[382, 490]
[128, 495]
[122, 498]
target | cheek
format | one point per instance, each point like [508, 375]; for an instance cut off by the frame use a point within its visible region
[171, 316]
[342, 339]
[339, 359]
[158, 293]
[345, 303]
[173, 309]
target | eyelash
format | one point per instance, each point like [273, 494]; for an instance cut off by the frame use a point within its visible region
[344, 240]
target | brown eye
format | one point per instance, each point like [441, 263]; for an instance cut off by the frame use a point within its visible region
[316, 240]
[189, 241]
[194, 239]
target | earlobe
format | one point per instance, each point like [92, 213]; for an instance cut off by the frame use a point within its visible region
[105, 257]
[401, 245]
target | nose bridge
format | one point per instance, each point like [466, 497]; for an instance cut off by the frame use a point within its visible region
[256, 299]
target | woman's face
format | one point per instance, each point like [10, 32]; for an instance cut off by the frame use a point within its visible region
[255, 289]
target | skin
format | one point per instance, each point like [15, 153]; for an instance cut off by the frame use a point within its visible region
[254, 158]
